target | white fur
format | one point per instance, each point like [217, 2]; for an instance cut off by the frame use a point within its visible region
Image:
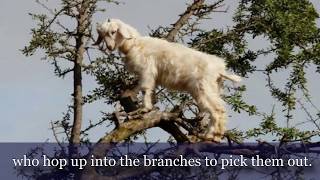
[172, 65]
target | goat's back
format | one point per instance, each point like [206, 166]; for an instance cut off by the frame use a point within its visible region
[179, 66]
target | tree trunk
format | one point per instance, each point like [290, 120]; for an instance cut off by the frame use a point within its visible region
[77, 73]
[77, 104]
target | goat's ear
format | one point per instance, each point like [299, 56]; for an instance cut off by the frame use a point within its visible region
[124, 32]
[100, 35]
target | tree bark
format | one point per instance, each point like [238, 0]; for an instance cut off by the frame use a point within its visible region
[125, 130]
[183, 19]
[77, 73]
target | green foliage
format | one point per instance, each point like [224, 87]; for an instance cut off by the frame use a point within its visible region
[230, 45]
[54, 44]
[238, 104]
[269, 126]
[111, 77]
[290, 29]
[61, 35]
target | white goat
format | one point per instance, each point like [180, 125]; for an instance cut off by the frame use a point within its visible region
[171, 65]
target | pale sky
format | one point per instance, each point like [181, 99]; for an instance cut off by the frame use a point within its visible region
[31, 96]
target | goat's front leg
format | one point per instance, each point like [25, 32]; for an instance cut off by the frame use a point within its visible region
[147, 100]
[146, 85]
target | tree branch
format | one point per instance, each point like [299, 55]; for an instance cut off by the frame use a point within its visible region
[124, 131]
[183, 19]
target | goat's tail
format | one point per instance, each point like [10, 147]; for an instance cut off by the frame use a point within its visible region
[232, 77]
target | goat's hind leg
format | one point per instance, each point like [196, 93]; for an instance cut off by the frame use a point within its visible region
[212, 103]
[218, 115]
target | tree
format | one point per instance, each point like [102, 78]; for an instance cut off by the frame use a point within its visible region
[289, 27]
[62, 43]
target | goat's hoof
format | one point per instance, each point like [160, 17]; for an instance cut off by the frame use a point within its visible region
[213, 138]
[145, 110]
[217, 139]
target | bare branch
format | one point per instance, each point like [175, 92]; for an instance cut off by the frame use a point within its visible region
[183, 19]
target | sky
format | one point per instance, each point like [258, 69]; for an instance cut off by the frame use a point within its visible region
[31, 95]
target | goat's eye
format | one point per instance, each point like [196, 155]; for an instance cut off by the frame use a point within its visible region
[113, 32]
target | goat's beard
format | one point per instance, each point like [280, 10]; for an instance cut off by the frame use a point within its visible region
[111, 48]
[103, 47]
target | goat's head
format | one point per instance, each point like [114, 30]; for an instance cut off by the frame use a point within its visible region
[114, 32]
